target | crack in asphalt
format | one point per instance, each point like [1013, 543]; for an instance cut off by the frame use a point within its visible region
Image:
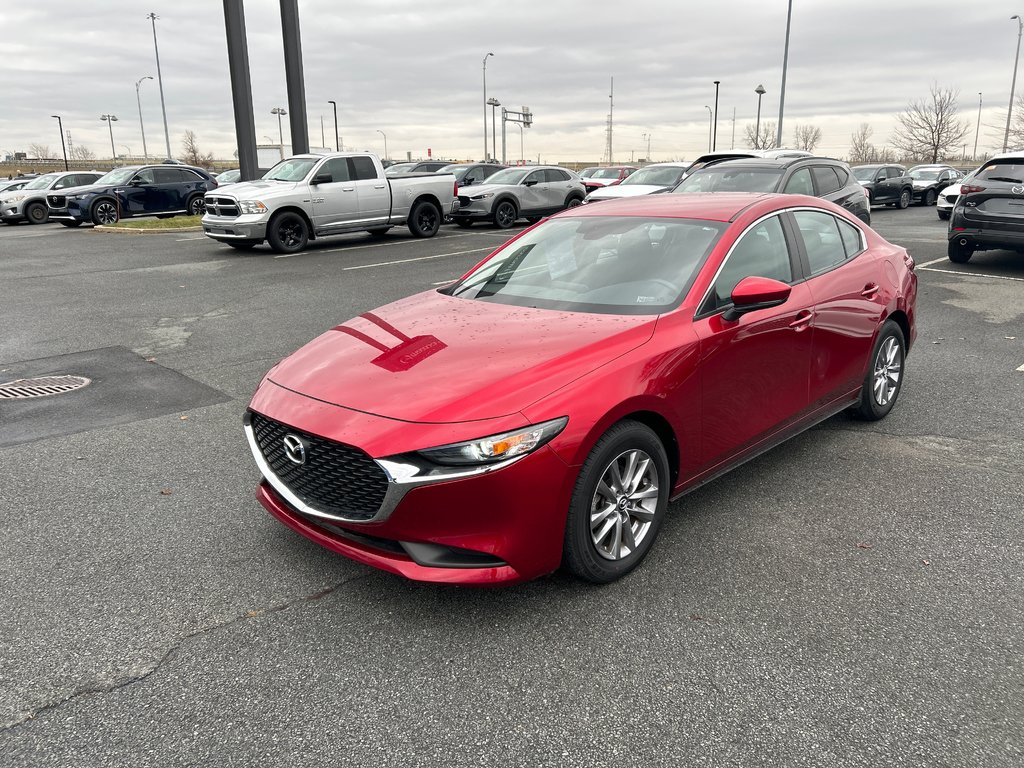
[171, 653]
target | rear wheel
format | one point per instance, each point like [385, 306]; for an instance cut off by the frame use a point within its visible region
[959, 252]
[37, 213]
[904, 199]
[884, 378]
[618, 504]
[288, 232]
[196, 206]
[929, 197]
[424, 219]
[505, 214]
[243, 245]
[105, 212]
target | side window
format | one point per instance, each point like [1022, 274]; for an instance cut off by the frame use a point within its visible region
[826, 179]
[944, 176]
[190, 177]
[800, 183]
[145, 176]
[484, 171]
[761, 251]
[362, 167]
[853, 241]
[337, 167]
[537, 177]
[553, 174]
[893, 173]
[167, 176]
[64, 182]
[822, 241]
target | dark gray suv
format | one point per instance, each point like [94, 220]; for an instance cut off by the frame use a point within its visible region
[821, 177]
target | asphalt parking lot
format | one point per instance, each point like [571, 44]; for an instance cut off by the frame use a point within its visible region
[854, 597]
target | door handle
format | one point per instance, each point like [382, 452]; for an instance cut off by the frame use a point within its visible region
[378, 186]
[348, 189]
[869, 291]
[803, 320]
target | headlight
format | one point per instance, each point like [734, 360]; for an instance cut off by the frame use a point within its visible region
[488, 450]
[251, 206]
[484, 196]
[14, 198]
[74, 197]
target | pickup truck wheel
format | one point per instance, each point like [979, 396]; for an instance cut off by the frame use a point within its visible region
[36, 213]
[424, 219]
[71, 223]
[505, 214]
[379, 232]
[287, 233]
[196, 206]
[105, 212]
[244, 245]
[904, 199]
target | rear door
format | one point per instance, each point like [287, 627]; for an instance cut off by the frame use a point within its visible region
[372, 191]
[169, 194]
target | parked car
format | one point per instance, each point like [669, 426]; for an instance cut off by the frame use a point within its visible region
[657, 177]
[816, 176]
[424, 166]
[468, 174]
[606, 361]
[586, 173]
[228, 177]
[516, 193]
[947, 197]
[311, 196]
[719, 156]
[29, 202]
[607, 176]
[885, 184]
[162, 190]
[12, 185]
[989, 213]
[929, 180]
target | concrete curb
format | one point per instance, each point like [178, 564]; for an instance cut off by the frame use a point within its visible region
[127, 231]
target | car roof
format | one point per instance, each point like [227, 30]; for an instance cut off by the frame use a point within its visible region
[780, 163]
[719, 206]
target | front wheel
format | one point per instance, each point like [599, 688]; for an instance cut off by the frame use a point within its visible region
[884, 378]
[505, 214]
[618, 504]
[572, 202]
[105, 213]
[424, 219]
[929, 197]
[959, 252]
[288, 233]
[37, 213]
[197, 206]
[904, 199]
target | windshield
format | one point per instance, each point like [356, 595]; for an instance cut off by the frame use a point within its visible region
[1011, 171]
[42, 182]
[657, 176]
[924, 175]
[508, 176]
[292, 169]
[117, 176]
[397, 168]
[611, 265]
[606, 173]
[866, 173]
[586, 173]
[721, 179]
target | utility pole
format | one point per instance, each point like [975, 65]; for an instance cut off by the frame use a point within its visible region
[142, 129]
[976, 129]
[337, 143]
[785, 66]
[160, 81]
[611, 110]
[732, 145]
[714, 142]
[1013, 83]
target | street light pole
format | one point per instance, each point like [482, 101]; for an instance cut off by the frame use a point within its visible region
[710, 118]
[280, 131]
[976, 129]
[714, 143]
[757, 126]
[485, 105]
[648, 137]
[522, 153]
[494, 104]
[785, 66]
[142, 130]
[1013, 83]
[337, 143]
[110, 119]
[160, 81]
[385, 142]
[63, 146]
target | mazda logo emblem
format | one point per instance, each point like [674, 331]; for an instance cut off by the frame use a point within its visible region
[1017, 190]
[295, 449]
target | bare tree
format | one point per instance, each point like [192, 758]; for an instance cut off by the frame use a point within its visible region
[82, 152]
[192, 155]
[861, 148]
[39, 151]
[807, 137]
[929, 128]
[763, 138]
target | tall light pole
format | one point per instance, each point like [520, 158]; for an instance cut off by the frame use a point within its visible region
[280, 131]
[494, 104]
[337, 143]
[757, 126]
[785, 66]
[710, 118]
[110, 120]
[522, 153]
[160, 81]
[714, 142]
[385, 142]
[138, 100]
[977, 127]
[485, 104]
[63, 146]
[648, 137]
[1013, 83]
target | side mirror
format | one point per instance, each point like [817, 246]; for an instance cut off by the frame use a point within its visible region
[529, 183]
[880, 178]
[136, 182]
[322, 178]
[467, 181]
[753, 293]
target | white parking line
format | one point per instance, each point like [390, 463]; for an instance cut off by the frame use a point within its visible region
[1021, 369]
[37, 234]
[186, 239]
[420, 258]
[933, 261]
[970, 274]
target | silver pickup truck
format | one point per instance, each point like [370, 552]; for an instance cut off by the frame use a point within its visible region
[310, 196]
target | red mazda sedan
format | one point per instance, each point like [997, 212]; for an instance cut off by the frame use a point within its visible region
[544, 409]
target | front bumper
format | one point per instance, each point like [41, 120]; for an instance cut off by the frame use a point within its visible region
[477, 210]
[244, 227]
[12, 211]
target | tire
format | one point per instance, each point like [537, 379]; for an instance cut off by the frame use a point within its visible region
[378, 232]
[505, 214]
[243, 245]
[424, 219]
[959, 254]
[884, 378]
[464, 223]
[944, 215]
[905, 197]
[196, 206]
[105, 212]
[594, 552]
[71, 223]
[929, 197]
[37, 213]
[572, 202]
[287, 232]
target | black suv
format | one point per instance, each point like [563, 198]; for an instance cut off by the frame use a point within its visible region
[139, 190]
[886, 184]
[989, 214]
[816, 176]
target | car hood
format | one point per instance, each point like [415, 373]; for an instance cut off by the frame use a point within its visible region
[84, 189]
[259, 189]
[625, 190]
[478, 189]
[433, 358]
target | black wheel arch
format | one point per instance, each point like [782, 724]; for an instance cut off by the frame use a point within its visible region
[293, 209]
[507, 198]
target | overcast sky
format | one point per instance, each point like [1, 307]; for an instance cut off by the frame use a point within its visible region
[413, 70]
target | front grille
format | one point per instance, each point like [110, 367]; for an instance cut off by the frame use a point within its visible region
[222, 206]
[952, 199]
[336, 479]
[463, 201]
[56, 201]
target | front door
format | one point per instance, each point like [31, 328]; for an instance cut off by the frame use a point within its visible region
[533, 192]
[335, 202]
[139, 195]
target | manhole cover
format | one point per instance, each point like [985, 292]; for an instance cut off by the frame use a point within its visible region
[41, 387]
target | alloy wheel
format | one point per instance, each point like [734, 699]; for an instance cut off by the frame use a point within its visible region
[887, 371]
[105, 213]
[624, 504]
